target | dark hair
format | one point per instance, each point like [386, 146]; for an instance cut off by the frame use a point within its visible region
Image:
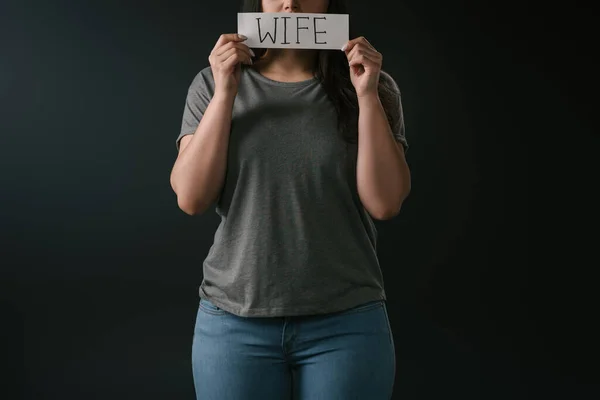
[333, 72]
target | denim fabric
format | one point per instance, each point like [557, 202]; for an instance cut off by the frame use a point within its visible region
[339, 356]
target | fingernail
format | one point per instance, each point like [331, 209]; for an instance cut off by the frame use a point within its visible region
[242, 37]
[252, 53]
[344, 48]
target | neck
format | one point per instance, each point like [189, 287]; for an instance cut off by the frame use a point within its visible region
[287, 64]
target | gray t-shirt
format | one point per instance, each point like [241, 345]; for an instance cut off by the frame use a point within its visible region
[294, 237]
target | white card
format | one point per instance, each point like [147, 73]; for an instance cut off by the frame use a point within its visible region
[294, 30]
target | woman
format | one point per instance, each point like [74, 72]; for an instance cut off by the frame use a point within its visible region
[299, 150]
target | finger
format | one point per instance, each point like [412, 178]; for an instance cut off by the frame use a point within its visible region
[244, 56]
[368, 43]
[236, 58]
[232, 57]
[219, 51]
[220, 60]
[364, 60]
[246, 49]
[361, 49]
[234, 50]
[352, 53]
[356, 46]
[229, 37]
[351, 43]
[234, 45]
[230, 62]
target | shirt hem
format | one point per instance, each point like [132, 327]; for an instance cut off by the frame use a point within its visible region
[356, 298]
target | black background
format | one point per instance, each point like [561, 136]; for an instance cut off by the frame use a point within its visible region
[488, 267]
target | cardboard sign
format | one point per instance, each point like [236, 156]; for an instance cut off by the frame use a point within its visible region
[294, 30]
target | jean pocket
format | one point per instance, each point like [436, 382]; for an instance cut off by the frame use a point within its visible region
[210, 308]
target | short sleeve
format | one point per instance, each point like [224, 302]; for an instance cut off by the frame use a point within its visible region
[398, 128]
[196, 102]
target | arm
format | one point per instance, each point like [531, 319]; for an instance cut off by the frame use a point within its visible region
[199, 171]
[383, 176]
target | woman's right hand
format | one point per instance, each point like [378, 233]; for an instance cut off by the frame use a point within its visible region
[225, 59]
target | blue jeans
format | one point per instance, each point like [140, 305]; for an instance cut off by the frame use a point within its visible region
[345, 355]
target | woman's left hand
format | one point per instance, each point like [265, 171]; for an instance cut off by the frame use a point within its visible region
[365, 66]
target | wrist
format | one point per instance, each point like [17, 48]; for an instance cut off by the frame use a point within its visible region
[226, 97]
[369, 99]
